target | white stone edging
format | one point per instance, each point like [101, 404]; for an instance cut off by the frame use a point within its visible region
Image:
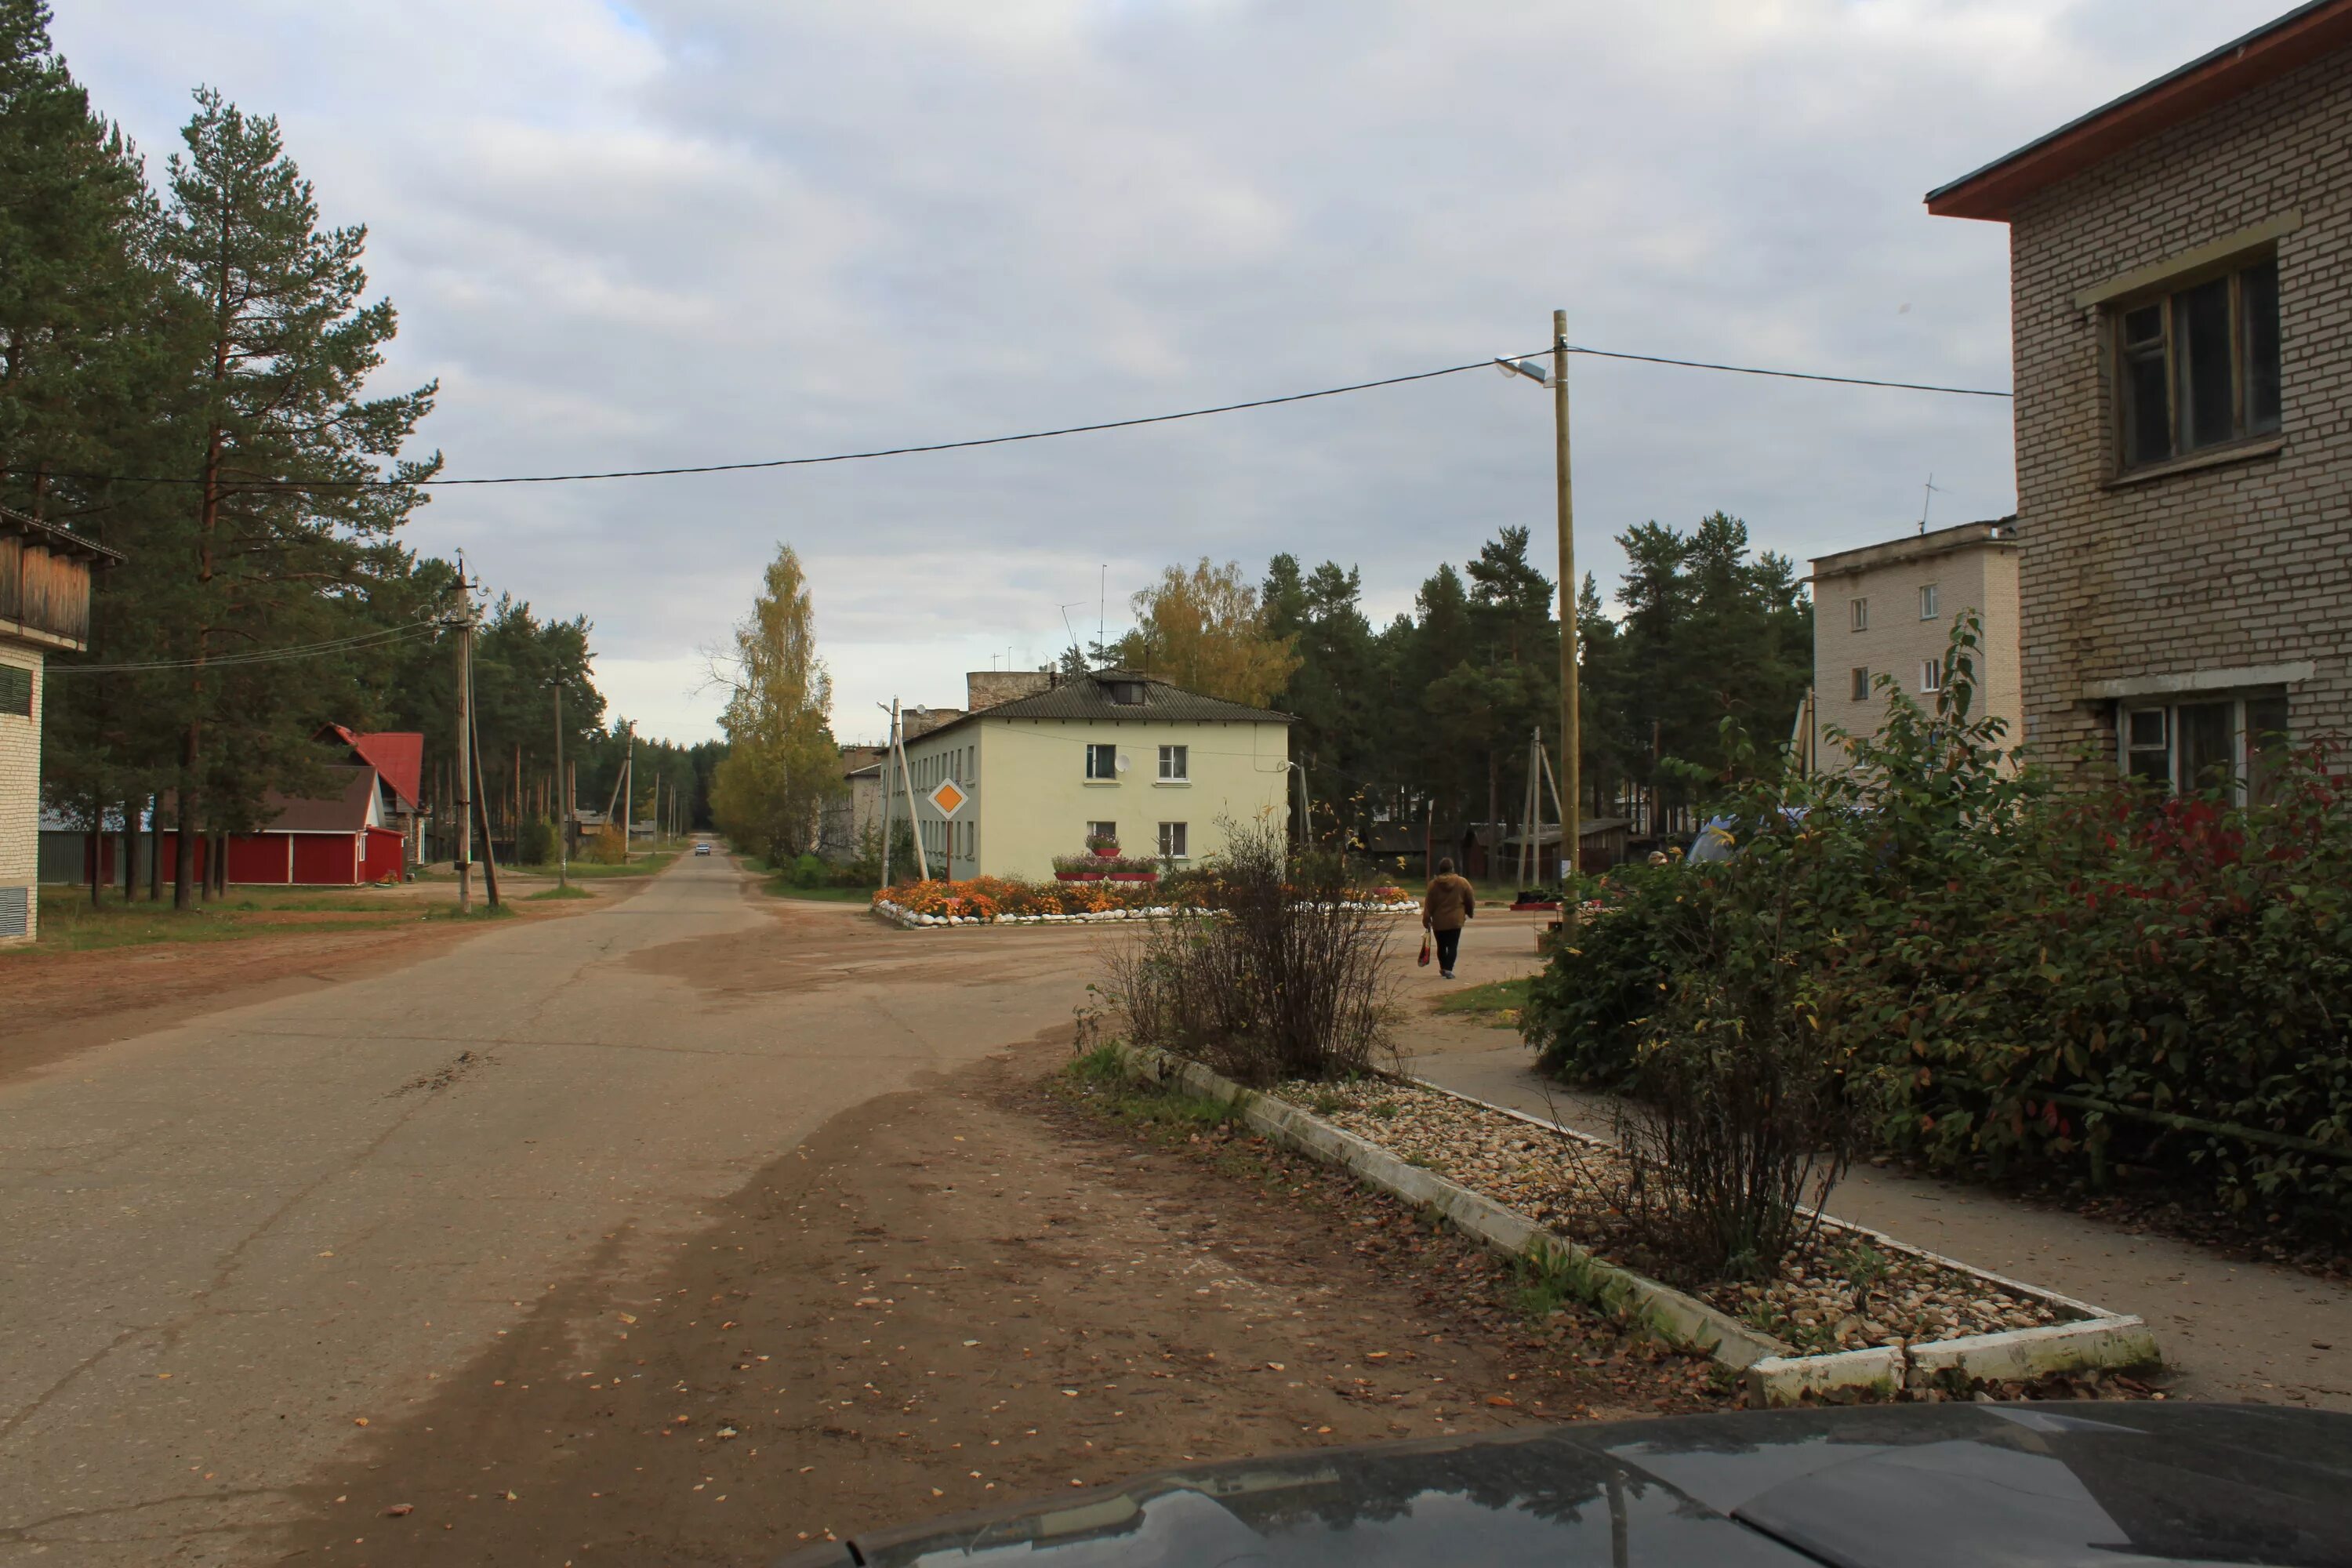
[899, 915]
[2098, 1337]
[1773, 1372]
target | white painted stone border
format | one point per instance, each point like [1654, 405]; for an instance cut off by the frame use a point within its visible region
[1773, 1372]
[899, 915]
[2096, 1338]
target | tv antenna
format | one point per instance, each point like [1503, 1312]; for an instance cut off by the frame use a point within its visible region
[1926, 501]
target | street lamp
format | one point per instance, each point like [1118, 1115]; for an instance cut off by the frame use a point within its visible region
[1571, 811]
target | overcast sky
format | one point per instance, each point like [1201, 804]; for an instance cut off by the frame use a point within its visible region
[687, 231]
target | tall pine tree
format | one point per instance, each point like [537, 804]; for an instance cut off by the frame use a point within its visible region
[298, 472]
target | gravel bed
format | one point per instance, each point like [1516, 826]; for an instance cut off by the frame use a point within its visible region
[1839, 1292]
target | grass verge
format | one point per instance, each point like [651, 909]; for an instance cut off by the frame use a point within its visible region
[1497, 1003]
[558, 893]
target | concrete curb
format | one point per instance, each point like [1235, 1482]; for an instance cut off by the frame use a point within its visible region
[898, 915]
[1680, 1319]
[1774, 1372]
[2097, 1338]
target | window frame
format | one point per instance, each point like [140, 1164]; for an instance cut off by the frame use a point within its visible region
[1857, 614]
[1931, 676]
[2169, 359]
[1106, 751]
[18, 682]
[1181, 757]
[2141, 747]
[1861, 687]
[1182, 835]
[1929, 601]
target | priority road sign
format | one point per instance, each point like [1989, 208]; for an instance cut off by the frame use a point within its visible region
[948, 798]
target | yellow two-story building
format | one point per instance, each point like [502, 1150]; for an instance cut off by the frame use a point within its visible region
[1045, 761]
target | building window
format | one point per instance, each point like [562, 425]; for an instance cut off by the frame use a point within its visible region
[1857, 612]
[2230, 745]
[1103, 830]
[1102, 761]
[15, 690]
[1927, 611]
[1126, 693]
[1860, 685]
[2199, 367]
[1931, 674]
[1171, 841]
[1173, 762]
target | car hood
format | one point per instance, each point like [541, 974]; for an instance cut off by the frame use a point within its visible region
[1918, 1486]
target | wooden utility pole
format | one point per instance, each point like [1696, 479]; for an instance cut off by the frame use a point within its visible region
[482, 804]
[628, 789]
[463, 769]
[1571, 744]
[907, 776]
[563, 807]
[890, 750]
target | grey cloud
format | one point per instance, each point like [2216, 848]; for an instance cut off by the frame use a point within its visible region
[708, 230]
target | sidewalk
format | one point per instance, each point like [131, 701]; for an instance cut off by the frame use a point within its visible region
[2229, 1330]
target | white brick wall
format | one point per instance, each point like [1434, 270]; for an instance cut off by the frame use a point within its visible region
[2228, 567]
[1979, 577]
[20, 789]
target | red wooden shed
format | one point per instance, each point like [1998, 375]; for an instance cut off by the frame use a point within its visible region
[335, 840]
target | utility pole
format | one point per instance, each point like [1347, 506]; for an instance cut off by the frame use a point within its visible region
[907, 778]
[464, 740]
[890, 750]
[482, 796]
[1571, 732]
[563, 805]
[628, 788]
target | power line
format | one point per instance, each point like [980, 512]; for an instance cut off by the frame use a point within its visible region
[380, 639]
[867, 454]
[1793, 374]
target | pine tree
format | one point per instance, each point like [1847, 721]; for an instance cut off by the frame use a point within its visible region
[88, 336]
[288, 454]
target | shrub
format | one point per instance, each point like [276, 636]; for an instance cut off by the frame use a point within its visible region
[2016, 977]
[535, 842]
[808, 871]
[1586, 1011]
[606, 847]
[1273, 976]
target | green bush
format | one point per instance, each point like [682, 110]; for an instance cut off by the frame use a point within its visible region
[1587, 1011]
[537, 842]
[2065, 981]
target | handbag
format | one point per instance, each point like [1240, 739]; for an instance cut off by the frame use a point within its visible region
[1424, 950]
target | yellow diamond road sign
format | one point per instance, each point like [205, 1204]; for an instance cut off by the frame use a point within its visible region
[949, 796]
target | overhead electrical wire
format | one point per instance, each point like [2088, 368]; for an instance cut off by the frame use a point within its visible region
[867, 454]
[382, 637]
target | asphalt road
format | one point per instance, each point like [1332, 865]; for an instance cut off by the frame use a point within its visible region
[232, 1243]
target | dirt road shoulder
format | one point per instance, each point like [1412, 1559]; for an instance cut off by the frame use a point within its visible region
[947, 1298]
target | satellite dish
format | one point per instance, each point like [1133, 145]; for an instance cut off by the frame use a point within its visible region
[1122, 761]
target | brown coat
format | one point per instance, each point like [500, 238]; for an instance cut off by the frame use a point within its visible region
[1450, 903]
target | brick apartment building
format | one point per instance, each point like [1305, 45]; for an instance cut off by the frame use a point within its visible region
[2181, 310]
[1887, 610]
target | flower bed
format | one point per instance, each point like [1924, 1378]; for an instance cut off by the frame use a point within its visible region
[1004, 900]
[1845, 1290]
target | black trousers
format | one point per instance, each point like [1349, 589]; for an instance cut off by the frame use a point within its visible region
[1449, 943]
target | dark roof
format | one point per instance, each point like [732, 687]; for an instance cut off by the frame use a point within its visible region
[63, 540]
[343, 811]
[1089, 697]
[2270, 51]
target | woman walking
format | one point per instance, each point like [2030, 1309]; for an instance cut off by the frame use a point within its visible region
[1448, 906]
